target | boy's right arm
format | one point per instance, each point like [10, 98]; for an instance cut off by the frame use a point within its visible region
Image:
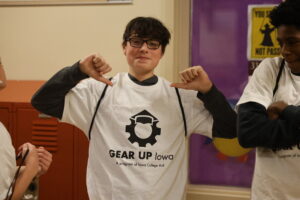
[259, 127]
[50, 98]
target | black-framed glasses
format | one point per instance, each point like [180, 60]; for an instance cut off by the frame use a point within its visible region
[138, 43]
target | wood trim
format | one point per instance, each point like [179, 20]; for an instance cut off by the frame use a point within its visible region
[208, 192]
[181, 36]
[61, 2]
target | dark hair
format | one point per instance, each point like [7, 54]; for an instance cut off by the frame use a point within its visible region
[147, 27]
[286, 13]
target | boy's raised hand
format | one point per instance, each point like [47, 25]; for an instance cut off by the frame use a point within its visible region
[194, 78]
[95, 66]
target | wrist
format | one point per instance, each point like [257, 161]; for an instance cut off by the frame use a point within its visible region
[207, 89]
[78, 71]
[210, 94]
[31, 170]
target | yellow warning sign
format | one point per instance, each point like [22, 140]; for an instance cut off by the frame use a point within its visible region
[262, 35]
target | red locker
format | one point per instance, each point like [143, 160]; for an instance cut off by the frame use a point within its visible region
[65, 179]
[55, 137]
[80, 159]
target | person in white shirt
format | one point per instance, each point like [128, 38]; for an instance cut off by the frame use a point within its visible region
[269, 112]
[137, 123]
[36, 163]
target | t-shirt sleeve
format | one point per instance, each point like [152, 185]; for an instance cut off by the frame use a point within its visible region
[80, 103]
[199, 120]
[260, 86]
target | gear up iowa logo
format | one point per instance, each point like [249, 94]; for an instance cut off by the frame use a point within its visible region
[143, 129]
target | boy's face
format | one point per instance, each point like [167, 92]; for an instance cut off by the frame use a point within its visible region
[289, 40]
[143, 55]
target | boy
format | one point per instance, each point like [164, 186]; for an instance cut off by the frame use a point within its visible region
[138, 133]
[269, 112]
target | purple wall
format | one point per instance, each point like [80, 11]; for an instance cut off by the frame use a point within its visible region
[207, 168]
[219, 44]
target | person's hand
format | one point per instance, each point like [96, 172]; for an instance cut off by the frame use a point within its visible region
[275, 109]
[95, 66]
[45, 160]
[194, 78]
[32, 160]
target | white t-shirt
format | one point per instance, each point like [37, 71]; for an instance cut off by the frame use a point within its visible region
[277, 174]
[7, 161]
[138, 145]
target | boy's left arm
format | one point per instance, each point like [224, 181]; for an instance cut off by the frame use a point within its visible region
[224, 124]
[195, 78]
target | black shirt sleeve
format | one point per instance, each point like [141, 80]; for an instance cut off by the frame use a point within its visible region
[224, 116]
[255, 129]
[50, 98]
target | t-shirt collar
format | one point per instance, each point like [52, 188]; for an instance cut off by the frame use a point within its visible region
[150, 81]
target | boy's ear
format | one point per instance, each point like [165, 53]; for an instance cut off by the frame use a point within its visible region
[124, 49]
[161, 55]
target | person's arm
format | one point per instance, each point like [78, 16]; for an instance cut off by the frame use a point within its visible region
[2, 76]
[37, 163]
[256, 129]
[224, 124]
[29, 171]
[195, 78]
[49, 99]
